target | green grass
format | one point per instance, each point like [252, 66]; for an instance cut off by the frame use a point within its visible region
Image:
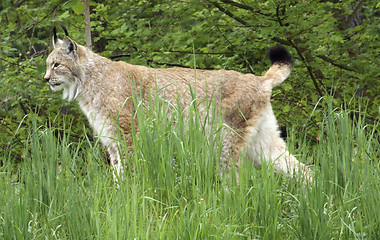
[64, 190]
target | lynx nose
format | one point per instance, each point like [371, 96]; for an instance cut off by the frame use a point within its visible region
[47, 77]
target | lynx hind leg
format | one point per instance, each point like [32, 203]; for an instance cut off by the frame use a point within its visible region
[285, 163]
[265, 144]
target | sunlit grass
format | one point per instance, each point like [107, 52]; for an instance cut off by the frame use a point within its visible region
[64, 190]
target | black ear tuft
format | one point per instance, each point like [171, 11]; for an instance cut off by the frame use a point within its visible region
[279, 54]
[55, 37]
[64, 29]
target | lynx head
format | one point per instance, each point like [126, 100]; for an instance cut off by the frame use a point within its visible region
[63, 71]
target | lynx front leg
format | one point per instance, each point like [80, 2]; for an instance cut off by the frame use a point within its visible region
[118, 171]
[118, 151]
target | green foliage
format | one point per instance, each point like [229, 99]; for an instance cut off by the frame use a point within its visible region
[63, 189]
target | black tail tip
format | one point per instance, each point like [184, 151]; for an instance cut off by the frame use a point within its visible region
[279, 54]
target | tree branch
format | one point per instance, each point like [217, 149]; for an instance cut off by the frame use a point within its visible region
[39, 21]
[282, 41]
[167, 64]
[246, 7]
[228, 13]
[239, 5]
[198, 53]
[356, 10]
[175, 51]
[119, 56]
[249, 64]
[333, 62]
[305, 56]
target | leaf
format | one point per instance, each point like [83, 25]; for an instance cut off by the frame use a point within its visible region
[64, 15]
[286, 108]
[78, 7]
[287, 86]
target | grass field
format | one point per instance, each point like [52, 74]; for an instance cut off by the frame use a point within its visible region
[64, 189]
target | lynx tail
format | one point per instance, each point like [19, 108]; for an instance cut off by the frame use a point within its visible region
[281, 65]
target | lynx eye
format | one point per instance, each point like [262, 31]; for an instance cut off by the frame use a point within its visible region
[56, 65]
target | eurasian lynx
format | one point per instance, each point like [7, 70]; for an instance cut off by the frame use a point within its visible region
[104, 88]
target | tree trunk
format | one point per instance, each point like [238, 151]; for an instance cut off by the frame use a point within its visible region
[87, 23]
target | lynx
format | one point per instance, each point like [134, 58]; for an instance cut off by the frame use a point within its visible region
[103, 89]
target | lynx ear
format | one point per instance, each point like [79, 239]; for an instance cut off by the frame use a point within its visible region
[56, 40]
[69, 45]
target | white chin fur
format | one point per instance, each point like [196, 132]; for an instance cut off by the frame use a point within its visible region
[56, 88]
[70, 92]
